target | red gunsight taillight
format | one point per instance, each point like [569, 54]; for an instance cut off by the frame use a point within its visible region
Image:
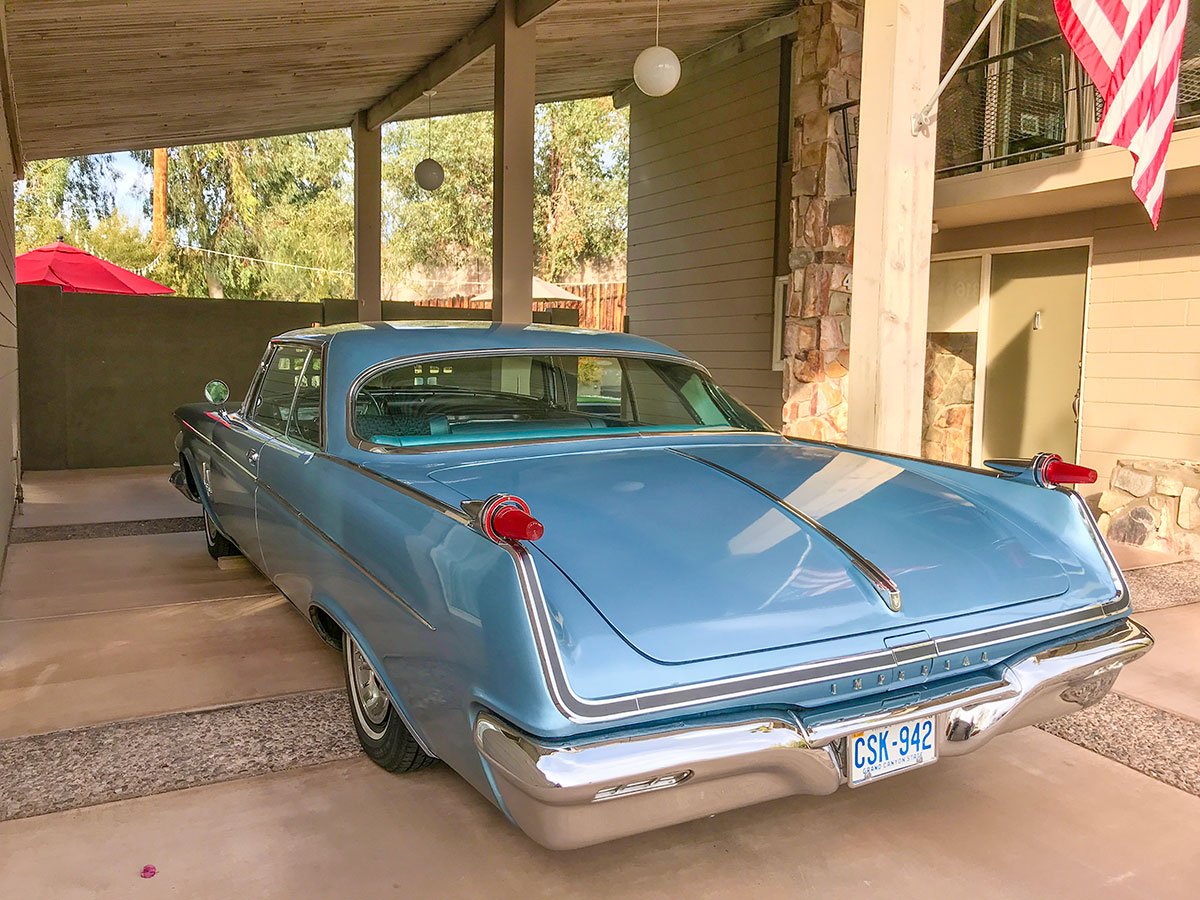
[506, 518]
[514, 524]
[1055, 471]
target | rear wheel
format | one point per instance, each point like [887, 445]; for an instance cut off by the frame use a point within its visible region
[381, 732]
[218, 544]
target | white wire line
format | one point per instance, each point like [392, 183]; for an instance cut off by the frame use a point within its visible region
[266, 262]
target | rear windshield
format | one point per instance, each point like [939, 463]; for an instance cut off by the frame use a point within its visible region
[497, 398]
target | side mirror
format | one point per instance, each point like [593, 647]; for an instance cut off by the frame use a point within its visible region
[217, 392]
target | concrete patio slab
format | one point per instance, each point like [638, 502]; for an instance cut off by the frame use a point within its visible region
[75, 496]
[1028, 816]
[69, 671]
[57, 578]
[1168, 677]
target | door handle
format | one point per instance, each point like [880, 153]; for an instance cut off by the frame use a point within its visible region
[252, 457]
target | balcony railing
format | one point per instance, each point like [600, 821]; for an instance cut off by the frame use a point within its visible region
[1029, 103]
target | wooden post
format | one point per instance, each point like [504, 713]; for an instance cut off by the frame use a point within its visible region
[368, 219]
[893, 222]
[512, 191]
[158, 229]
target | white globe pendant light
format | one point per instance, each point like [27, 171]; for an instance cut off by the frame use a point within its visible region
[429, 172]
[656, 70]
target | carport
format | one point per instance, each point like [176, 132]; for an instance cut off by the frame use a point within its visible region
[156, 709]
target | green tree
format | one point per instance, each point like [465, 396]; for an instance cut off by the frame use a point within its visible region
[62, 196]
[231, 206]
[582, 178]
[451, 227]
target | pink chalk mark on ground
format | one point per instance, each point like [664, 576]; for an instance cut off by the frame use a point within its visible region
[149, 871]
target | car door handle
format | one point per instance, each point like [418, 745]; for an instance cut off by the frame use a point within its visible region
[252, 457]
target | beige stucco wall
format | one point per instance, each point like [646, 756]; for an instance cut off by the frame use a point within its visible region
[1141, 370]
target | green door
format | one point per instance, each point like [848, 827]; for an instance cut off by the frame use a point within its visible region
[1034, 353]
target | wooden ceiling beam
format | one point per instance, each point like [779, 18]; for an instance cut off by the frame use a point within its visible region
[460, 54]
[457, 57]
[530, 10]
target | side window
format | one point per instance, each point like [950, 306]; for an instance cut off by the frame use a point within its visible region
[306, 420]
[273, 404]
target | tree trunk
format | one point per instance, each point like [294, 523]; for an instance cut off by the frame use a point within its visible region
[215, 291]
[158, 230]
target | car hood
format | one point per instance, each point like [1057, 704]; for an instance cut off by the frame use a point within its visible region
[690, 554]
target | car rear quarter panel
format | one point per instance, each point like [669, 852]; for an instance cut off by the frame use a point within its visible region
[441, 613]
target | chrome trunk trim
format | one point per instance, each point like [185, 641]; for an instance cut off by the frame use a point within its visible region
[879, 579]
[580, 709]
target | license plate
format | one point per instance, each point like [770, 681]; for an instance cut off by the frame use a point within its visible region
[889, 749]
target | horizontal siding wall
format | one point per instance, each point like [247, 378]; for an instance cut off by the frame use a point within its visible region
[1141, 367]
[9, 404]
[702, 185]
[1141, 387]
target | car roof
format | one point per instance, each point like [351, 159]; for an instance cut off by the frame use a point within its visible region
[389, 340]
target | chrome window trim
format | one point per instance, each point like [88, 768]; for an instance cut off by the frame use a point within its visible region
[308, 348]
[309, 446]
[880, 580]
[361, 443]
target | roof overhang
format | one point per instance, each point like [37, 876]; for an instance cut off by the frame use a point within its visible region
[132, 74]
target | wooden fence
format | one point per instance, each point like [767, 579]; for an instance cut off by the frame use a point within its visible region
[601, 305]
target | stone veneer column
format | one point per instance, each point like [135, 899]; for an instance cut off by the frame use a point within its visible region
[826, 65]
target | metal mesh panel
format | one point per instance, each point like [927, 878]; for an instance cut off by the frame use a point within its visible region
[1030, 103]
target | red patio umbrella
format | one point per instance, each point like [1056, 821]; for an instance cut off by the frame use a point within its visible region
[75, 270]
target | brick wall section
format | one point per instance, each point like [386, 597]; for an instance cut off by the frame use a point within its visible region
[949, 397]
[826, 71]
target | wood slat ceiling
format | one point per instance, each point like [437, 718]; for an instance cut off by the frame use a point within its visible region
[93, 76]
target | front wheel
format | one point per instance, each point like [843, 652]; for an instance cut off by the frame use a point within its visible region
[218, 544]
[381, 732]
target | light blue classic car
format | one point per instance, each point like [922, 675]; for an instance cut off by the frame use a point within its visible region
[580, 573]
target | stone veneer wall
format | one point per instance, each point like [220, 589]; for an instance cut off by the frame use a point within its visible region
[1153, 504]
[826, 68]
[949, 396]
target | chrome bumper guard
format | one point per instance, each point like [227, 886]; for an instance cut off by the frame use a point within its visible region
[566, 796]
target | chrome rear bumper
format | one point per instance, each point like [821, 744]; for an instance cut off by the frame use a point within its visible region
[566, 796]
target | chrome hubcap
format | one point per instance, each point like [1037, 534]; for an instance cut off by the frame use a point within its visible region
[372, 698]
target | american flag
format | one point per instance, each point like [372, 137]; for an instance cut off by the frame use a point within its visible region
[1131, 50]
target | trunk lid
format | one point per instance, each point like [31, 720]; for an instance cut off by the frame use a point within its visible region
[687, 562]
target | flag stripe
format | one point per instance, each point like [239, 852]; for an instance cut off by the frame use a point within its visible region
[1131, 49]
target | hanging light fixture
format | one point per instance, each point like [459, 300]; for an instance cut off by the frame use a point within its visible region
[656, 70]
[429, 172]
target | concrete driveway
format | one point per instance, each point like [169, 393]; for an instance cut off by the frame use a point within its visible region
[131, 665]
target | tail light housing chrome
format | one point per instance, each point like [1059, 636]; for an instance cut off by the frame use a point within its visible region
[507, 518]
[1044, 470]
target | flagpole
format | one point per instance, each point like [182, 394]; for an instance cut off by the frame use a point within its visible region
[921, 120]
